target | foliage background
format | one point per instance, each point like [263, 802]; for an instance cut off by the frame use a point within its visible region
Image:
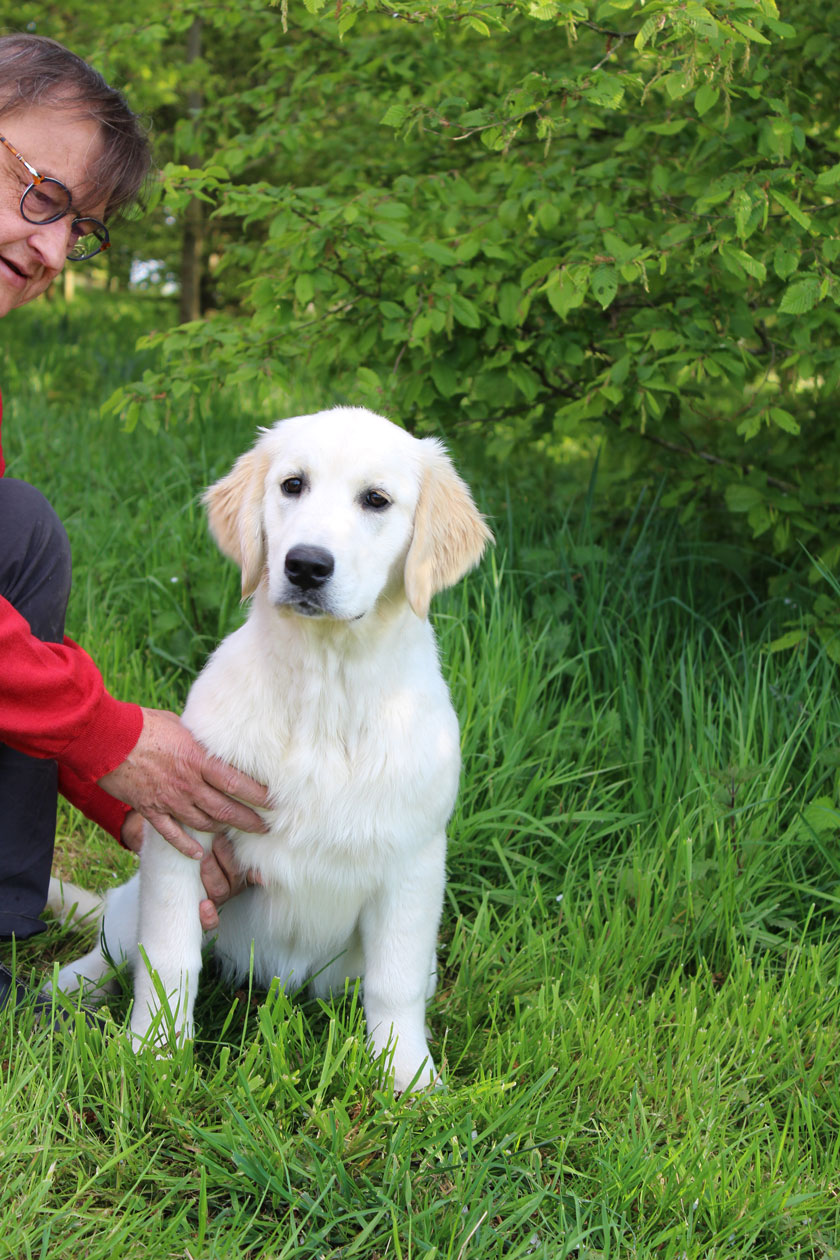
[593, 245]
[544, 229]
[638, 1010]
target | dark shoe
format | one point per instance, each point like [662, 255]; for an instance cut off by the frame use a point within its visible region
[51, 1010]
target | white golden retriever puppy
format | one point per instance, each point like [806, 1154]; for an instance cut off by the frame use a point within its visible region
[344, 527]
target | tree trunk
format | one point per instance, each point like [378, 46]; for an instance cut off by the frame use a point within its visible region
[192, 243]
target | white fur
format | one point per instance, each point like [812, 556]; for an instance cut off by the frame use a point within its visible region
[334, 699]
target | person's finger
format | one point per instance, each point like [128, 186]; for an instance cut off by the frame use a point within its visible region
[217, 883]
[208, 915]
[175, 835]
[224, 812]
[225, 855]
[232, 782]
[131, 832]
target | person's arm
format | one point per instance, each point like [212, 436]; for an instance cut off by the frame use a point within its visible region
[54, 704]
[173, 782]
[106, 811]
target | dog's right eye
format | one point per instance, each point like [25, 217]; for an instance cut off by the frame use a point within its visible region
[292, 485]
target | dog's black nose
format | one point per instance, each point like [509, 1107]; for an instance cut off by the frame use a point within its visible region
[309, 567]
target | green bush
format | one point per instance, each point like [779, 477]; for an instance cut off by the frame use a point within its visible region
[546, 228]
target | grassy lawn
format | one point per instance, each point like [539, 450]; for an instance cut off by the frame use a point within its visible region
[638, 1007]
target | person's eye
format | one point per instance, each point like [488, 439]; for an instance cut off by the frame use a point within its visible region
[40, 201]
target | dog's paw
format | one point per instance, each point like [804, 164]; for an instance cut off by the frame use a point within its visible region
[73, 981]
[158, 1035]
[414, 1075]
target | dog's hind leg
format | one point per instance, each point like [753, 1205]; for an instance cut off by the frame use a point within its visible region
[117, 942]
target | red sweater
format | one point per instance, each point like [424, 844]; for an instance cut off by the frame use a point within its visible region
[53, 703]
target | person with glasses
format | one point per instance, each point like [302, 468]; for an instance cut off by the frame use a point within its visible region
[72, 156]
[47, 200]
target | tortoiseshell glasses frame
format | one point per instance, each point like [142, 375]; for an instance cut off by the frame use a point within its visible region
[46, 200]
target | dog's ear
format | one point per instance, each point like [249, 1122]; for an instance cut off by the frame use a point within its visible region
[449, 531]
[234, 513]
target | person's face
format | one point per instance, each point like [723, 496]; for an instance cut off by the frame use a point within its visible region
[56, 144]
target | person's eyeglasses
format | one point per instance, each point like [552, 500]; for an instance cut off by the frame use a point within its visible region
[46, 200]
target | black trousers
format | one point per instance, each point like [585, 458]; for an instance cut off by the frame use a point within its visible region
[35, 572]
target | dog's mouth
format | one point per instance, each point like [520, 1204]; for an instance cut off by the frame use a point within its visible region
[307, 608]
[310, 608]
[303, 603]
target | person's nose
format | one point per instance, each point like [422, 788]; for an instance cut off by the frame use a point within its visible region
[50, 242]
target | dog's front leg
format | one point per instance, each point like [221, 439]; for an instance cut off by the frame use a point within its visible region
[399, 937]
[170, 937]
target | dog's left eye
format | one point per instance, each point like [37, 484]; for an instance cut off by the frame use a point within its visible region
[292, 485]
[373, 499]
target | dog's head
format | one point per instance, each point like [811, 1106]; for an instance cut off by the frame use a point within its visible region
[336, 510]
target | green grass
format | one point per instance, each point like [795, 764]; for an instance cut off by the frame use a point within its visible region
[638, 1005]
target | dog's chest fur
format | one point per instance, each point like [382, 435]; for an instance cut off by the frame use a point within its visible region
[357, 774]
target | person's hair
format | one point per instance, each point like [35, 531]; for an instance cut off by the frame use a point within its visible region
[35, 70]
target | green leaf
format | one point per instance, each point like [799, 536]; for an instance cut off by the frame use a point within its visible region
[607, 91]
[510, 296]
[750, 425]
[800, 297]
[439, 253]
[565, 293]
[548, 216]
[526, 381]
[392, 310]
[304, 288]
[670, 128]
[465, 312]
[743, 498]
[539, 270]
[742, 206]
[739, 258]
[705, 98]
[784, 420]
[785, 260]
[618, 247]
[368, 381]
[749, 32]
[821, 815]
[395, 115]
[791, 639]
[604, 284]
[647, 31]
[828, 179]
[445, 377]
[799, 216]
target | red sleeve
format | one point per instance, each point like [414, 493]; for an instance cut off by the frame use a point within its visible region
[53, 702]
[94, 803]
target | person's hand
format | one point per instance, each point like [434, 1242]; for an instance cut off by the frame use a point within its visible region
[222, 879]
[131, 832]
[220, 875]
[174, 783]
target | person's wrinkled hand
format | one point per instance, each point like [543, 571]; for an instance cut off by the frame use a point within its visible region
[222, 879]
[174, 783]
[221, 876]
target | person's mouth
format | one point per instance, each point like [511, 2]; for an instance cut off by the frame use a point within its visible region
[17, 272]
